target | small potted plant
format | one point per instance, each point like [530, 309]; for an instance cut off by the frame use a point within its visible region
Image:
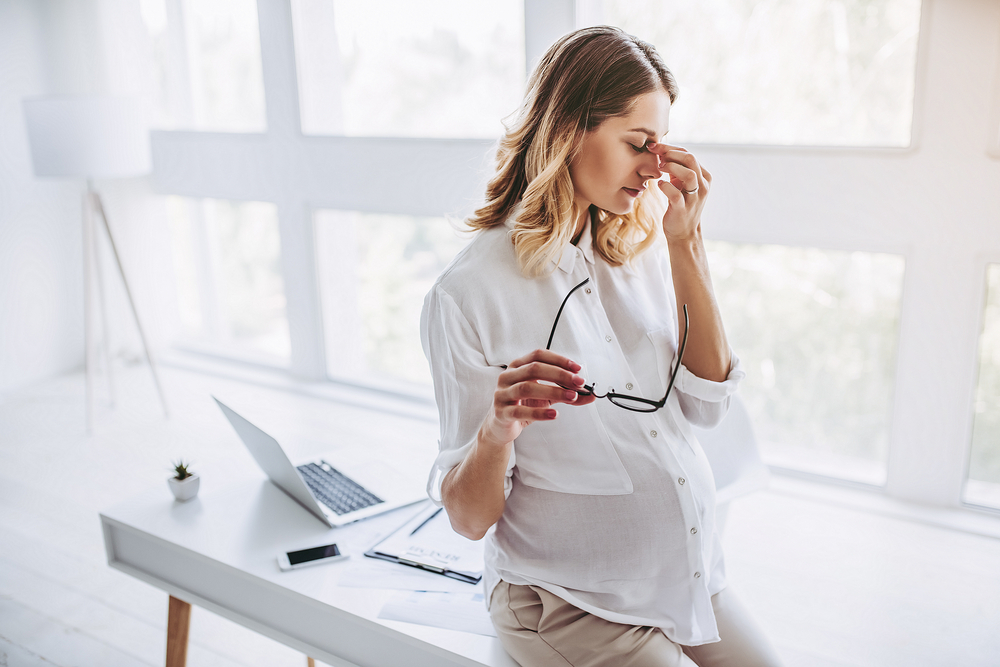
[184, 484]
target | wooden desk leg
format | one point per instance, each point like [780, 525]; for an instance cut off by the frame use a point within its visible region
[178, 623]
[310, 662]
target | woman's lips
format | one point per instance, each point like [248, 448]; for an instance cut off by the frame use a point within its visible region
[633, 192]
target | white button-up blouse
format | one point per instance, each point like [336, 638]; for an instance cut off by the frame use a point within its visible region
[610, 510]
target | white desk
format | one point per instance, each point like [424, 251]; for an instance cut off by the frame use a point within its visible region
[218, 552]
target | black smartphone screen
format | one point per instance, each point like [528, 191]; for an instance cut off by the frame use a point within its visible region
[315, 553]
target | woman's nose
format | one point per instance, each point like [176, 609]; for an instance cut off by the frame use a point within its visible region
[650, 165]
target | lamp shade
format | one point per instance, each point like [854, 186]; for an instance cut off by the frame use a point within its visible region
[87, 136]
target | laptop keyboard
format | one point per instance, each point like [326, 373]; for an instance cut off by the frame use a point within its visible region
[336, 491]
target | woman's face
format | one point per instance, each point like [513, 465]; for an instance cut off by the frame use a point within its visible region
[613, 166]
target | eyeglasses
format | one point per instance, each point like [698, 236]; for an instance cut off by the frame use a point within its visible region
[634, 403]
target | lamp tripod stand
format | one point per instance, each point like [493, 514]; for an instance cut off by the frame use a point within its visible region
[93, 208]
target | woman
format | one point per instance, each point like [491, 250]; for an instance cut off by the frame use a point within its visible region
[589, 255]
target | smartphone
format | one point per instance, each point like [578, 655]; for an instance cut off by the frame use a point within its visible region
[293, 560]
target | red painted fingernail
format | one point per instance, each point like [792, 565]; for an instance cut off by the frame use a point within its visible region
[550, 414]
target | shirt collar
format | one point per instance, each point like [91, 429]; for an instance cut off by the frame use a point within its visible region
[586, 242]
[586, 245]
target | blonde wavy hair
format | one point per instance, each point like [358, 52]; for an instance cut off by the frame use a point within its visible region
[585, 78]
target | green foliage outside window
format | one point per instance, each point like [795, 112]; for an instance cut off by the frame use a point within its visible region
[817, 333]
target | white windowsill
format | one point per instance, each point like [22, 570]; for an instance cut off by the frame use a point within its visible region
[966, 519]
[983, 522]
[276, 378]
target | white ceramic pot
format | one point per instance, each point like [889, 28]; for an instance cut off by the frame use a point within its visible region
[184, 489]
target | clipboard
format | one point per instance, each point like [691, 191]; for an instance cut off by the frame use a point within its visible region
[427, 541]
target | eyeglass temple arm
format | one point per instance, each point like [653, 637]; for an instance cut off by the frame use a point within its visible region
[680, 356]
[559, 314]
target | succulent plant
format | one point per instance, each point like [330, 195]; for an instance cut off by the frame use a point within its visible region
[181, 470]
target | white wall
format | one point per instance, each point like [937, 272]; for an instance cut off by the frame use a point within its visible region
[40, 258]
[70, 47]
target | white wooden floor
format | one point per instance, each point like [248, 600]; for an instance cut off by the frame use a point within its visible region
[834, 584]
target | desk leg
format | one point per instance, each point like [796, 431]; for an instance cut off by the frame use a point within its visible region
[310, 662]
[178, 623]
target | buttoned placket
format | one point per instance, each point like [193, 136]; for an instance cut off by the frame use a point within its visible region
[689, 510]
[695, 539]
[593, 300]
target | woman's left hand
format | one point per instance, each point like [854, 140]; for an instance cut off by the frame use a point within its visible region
[686, 188]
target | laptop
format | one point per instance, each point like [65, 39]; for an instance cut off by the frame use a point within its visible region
[337, 489]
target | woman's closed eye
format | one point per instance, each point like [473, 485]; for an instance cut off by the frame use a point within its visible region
[638, 149]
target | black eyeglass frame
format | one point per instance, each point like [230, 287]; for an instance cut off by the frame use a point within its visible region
[649, 405]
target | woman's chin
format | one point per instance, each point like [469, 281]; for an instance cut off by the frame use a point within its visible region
[622, 208]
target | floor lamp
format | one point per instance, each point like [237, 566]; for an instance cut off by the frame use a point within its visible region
[85, 138]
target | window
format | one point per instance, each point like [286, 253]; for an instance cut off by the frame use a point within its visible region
[207, 65]
[789, 72]
[374, 271]
[982, 487]
[230, 291]
[816, 331]
[419, 68]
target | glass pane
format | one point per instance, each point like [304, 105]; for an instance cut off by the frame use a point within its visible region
[816, 331]
[414, 68]
[208, 67]
[983, 484]
[231, 294]
[183, 243]
[374, 273]
[791, 72]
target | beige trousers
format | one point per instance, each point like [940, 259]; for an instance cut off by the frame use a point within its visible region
[539, 629]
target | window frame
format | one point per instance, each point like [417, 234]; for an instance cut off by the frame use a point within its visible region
[294, 171]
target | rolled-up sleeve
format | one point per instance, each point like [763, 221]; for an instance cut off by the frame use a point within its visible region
[704, 402]
[464, 384]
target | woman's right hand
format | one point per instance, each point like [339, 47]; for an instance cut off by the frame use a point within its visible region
[526, 392]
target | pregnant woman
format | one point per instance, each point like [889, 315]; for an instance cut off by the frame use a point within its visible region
[573, 343]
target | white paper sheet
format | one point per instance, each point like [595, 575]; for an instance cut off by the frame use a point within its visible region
[465, 612]
[355, 537]
[430, 541]
[370, 573]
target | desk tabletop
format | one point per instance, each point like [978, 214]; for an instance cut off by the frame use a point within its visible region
[218, 551]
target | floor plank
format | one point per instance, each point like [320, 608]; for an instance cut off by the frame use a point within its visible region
[12, 655]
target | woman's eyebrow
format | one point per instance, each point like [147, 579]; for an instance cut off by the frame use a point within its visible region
[648, 132]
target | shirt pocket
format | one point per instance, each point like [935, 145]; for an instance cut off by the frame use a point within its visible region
[572, 454]
[664, 344]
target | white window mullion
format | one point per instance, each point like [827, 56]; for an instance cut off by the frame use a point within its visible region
[284, 140]
[277, 56]
[179, 68]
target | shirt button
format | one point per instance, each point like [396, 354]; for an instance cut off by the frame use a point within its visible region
[681, 480]
[628, 385]
[653, 433]
[697, 575]
[587, 290]
[694, 531]
[607, 338]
